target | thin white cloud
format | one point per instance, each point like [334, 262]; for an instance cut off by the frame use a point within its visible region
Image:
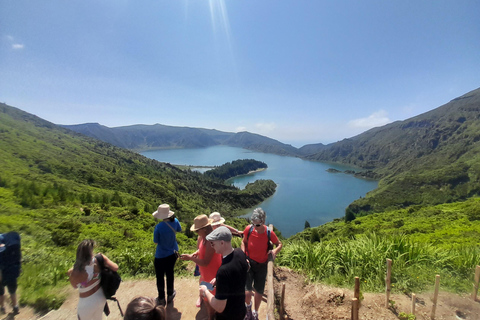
[18, 46]
[376, 119]
[14, 44]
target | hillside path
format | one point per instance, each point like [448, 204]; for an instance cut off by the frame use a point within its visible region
[183, 306]
[303, 301]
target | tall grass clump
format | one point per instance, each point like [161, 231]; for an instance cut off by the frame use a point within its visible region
[414, 264]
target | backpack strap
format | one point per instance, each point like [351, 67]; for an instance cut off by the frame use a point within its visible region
[101, 262]
[248, 236]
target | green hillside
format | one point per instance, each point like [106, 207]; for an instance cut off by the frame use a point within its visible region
[429, 159]
[58, 187]
[421, 241]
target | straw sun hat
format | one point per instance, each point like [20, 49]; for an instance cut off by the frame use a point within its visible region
[200, 222]
[163, 212]
[216, 218]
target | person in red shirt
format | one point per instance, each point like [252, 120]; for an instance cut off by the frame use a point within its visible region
[205, 257]
[255, 244]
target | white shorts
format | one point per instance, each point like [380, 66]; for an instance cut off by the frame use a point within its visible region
[91, 308]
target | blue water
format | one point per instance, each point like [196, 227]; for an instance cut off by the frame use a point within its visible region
[305, 190]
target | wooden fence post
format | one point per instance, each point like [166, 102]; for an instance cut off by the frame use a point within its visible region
[270, 289]
[387, 283]
[414, 299]
[282, 302]
[356, 292]
[475, 283]
[435, 296]
[354, 309]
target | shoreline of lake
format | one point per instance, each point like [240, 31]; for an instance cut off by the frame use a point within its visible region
[305, 190]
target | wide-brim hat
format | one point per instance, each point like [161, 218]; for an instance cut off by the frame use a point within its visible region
[216, 218]
[163, 212]
[200, 222]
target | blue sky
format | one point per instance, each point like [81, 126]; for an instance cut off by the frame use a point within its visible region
[296, 71]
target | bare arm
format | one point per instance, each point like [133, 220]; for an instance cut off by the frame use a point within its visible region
[277, 249]
[209, 252]
[109, 263]
[232, 229]
[218, 305]
[243, 245]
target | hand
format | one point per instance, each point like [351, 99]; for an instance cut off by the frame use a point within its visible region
[273, 253]
[185, 257]
[202, 290]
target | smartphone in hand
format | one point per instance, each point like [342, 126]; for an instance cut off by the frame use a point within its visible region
[207, 284]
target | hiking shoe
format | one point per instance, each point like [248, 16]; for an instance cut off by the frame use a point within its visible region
[16, 310]
[249, 315]
[254, 315]
[171, 296]
[160, 302]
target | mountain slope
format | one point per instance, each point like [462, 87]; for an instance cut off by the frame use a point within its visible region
[144, 137]
[36, 150]
[428, 159]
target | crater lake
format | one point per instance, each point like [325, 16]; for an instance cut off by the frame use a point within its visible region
[305, 190]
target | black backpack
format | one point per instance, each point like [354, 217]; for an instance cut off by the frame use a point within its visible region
[110, 282]
[11, 256]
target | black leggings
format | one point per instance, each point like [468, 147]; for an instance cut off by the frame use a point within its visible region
[164, 267]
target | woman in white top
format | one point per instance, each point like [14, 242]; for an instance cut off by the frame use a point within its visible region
[85, 275]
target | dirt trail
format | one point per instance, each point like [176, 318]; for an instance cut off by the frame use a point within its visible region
[303, 301]
[183, 306]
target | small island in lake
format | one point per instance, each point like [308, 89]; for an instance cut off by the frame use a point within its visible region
[236, 168]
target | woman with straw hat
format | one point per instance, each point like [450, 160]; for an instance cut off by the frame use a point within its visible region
[218, 221]
[166, 253]
[205, 257]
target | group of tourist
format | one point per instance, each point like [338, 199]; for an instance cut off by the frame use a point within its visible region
[228, 275]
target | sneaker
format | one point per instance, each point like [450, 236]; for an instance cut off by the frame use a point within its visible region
[160, 302]
[2, 310]
[249, 315]
[254, 315]
[171, 296]
[16, 310]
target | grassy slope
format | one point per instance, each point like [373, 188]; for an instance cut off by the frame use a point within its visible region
[58, 187]
[421, 241]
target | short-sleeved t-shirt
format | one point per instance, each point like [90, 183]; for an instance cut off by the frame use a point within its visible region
[257, 245]
[231, 279]
[165, 238]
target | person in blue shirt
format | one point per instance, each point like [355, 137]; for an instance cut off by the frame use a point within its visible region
[166, 253]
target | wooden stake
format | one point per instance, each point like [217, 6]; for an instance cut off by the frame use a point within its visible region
[282, 301]
[354, 309]
[475, 283]
[356, 292]
[270, 289]
[414, 298]
[435, 296]
[387, 283]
